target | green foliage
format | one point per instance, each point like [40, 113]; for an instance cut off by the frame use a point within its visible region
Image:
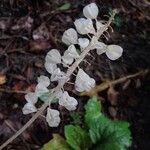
[100, 133]
[65, 6]
[45, 97]
[57, 143]
[76, 118]
[77, 138]
[118, 20]
[105, 133]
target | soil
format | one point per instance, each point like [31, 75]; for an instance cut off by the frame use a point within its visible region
[22, 61]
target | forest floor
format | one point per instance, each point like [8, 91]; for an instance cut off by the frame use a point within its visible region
[22, 61]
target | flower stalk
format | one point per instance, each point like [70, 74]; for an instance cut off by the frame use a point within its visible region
[62, 82]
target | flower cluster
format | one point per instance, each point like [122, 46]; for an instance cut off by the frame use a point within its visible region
[85, 36]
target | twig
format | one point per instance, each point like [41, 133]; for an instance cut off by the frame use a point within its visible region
[103, 86]
[60, 85]
[12, 91]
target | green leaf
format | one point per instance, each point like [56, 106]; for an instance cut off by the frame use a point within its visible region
[76, 118]
[77, 138]
[105, 133]
[118, 21]
[45, 97]
[57, 143]
[65, 6]
[93, 111]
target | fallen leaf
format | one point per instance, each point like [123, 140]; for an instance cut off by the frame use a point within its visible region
[112, 96]
[41, 33]
[112, 111]
[2, 79]
[23, 23]
[39, 45]
[126, 84]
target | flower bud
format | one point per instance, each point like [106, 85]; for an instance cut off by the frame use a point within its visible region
[70, 36]
[113, 52]
[52, 117]
[28, 108]
[83, 81]
[84, 26]
[83, 42]
[91, 11]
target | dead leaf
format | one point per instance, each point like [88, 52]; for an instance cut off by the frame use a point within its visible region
[126, 84]
[4, 24]
[2, 79]
[41, 33]
[112, 111]
[112, 96]
[138, 83]
[39, 45]
[23, 23]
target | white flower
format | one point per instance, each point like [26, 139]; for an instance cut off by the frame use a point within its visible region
[67, 60]
[31, 97]
[72, 52]
[99, 25]
[44, 80]
[69, 55]
[83, 42]
[68, 102]
[83, 81]
[40, 89]
[113, 52]
[91, 11]
[84, 26]
[52, 117]
[58, 94]
[53, 56]
[28, 108]
[50, 67]
[57, 75]
[100, 48]
[70, 36]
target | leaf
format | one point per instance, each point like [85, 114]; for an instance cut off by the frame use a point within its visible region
[77, 138]
[57, 143]
[65, 6]
[44, 97]
[76, 118]
[2, 79]
[105, 133]
[93, 111]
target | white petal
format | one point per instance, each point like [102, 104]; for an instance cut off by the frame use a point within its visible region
[58, 94]
[52, 117]
[100, 48]
[72, 52]
[91, 11]
[28, 108]
[40, 89]
[113, 52]
[44, 80]
[83, 42]
[53, 56]
[70, 36]
[99, 25]
[31, 97]
[57, 75]
[70, 103]
[83, 81]
[84, 26]
[67, 60]
[50, 67]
